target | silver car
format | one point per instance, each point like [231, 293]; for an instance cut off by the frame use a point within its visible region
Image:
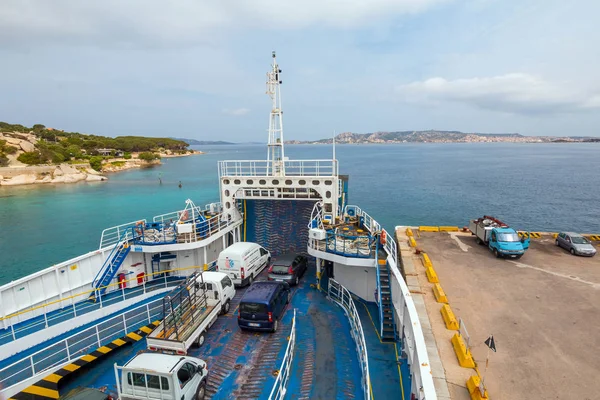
[576, 244]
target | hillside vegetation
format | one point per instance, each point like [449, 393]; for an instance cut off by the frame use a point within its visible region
[42, 145]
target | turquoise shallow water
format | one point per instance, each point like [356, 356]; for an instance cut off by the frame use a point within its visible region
[530, 186]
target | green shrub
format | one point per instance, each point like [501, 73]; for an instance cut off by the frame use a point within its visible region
[148, 156]
[3, 160]
[57, 158]
[96, 163]
[117, 163]
[127, 156]
[31, 158]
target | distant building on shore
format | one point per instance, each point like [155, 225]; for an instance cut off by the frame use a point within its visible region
[108, 152]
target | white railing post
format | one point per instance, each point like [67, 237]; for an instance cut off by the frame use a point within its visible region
[67, 348]
[148, 312]
[98, 336]
[32, 365]
[124, 324]
[100, 298]
[12, 330]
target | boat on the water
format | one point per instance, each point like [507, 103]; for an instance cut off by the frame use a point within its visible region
[350, 330]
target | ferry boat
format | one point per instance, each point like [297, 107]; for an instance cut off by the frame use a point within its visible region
[351, 329]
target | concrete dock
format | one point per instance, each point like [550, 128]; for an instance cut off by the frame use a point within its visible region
[543, 310]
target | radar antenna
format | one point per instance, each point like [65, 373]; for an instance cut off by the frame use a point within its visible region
[275, 153]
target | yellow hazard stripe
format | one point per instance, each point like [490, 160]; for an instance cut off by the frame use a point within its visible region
[40, 391]
[71, 367]
[88, 358]
[119, 342]
[134, 336]
[54, 378]
[145, 329]
[103, 349]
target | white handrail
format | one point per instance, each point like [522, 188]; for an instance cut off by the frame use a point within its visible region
[411, 335]
[292, 168]
[65, 346]
[343, 298]
[280, 385]
[407, 319]
[110, 236]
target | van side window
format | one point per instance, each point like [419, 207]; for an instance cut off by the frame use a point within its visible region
[186, 373]
[226, 282]
[136, 379]
[263, 251]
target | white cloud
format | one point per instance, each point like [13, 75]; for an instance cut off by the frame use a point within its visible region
[183, 21]
[514, 93]
[236, 111]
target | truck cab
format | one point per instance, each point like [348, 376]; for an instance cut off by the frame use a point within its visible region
[501, 239]
[505, 242]
[162, 376]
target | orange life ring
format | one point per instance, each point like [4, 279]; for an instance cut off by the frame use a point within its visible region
[382, 237]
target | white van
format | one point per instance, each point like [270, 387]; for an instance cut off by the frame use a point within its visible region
[243, 261]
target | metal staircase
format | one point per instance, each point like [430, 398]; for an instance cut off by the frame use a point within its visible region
[384, 300]
[111, 265]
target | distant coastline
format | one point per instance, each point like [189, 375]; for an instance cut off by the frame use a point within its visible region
[435, 136]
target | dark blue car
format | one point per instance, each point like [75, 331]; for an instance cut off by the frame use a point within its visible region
[263, 305]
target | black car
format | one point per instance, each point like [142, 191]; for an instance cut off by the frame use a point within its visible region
[262, 305]
[289, 267]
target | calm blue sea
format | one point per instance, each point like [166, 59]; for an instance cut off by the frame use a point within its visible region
[545, 187]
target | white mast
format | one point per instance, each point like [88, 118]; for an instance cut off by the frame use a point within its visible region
[275, 153]
[334, 145]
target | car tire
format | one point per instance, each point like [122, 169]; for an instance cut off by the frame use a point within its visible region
[226, 307]
[296, 281]
[572, 251]
[477, 240]
[275, 325]
[200, 340]
[498, 255]
[201, 391]
[251, 279]
[558, 244]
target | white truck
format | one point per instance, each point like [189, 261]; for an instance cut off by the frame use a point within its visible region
[161, 376]
[191, 311]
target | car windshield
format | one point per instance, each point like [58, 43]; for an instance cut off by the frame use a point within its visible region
[253, 308]
[508, 237]
[579, 240]
[280, 268]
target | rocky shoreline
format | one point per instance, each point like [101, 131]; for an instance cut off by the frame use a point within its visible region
[63, 173]
[73, 173]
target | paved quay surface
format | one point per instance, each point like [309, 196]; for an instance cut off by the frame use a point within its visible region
[543, 310]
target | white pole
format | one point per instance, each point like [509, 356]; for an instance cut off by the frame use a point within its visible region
[334, 144]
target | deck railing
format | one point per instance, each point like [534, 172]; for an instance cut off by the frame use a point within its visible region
[349, 246]
[405, 312]
[280, 385]
[292, 168]
[110, 236]
[343, 298]
[79, 344]
[411, 334]
[76, 305]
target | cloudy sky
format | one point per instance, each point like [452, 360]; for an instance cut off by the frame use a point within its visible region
[197, 68]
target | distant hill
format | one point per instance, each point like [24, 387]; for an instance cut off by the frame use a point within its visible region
[194, 142]
[436, 136]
